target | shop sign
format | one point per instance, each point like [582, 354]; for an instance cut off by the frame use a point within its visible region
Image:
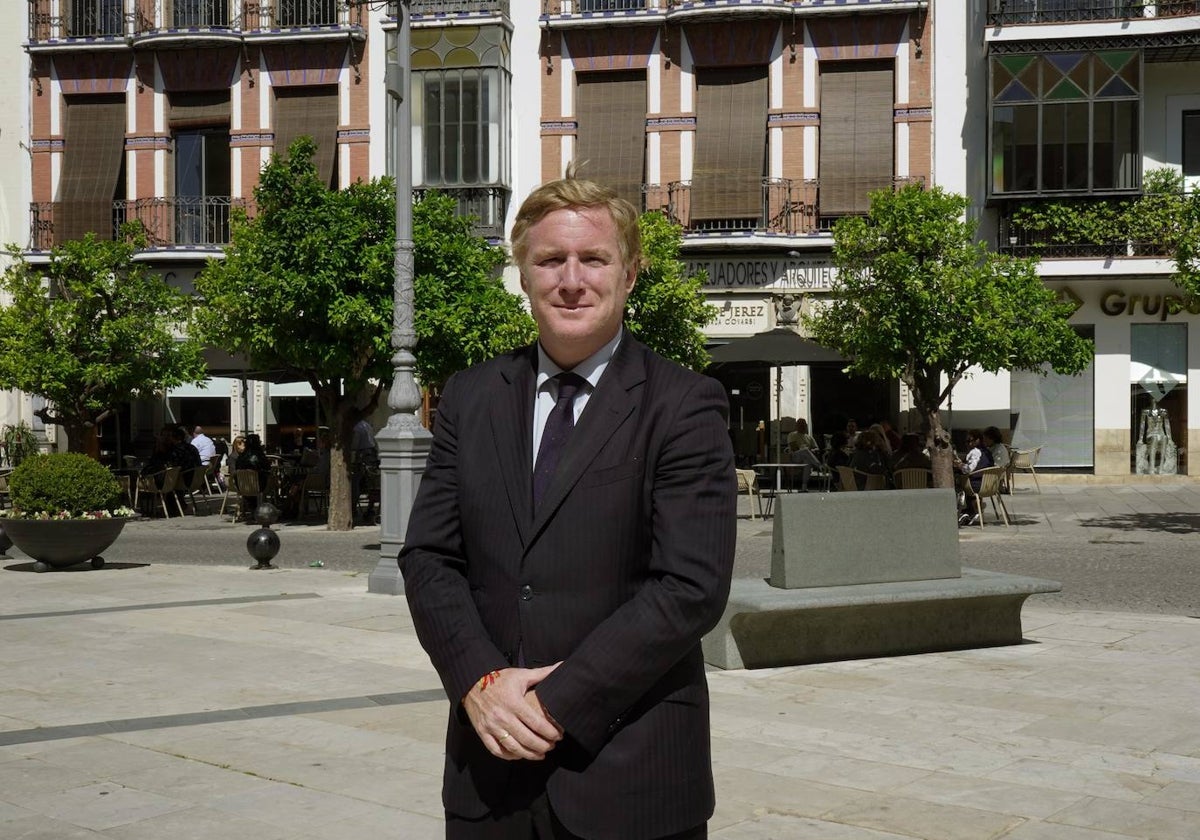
[815, 275]
[739, 317]
[1117, 302]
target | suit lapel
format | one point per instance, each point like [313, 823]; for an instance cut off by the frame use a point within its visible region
[512, 424]
[609, 406]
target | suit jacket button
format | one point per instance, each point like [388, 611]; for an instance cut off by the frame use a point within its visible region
[527, 592]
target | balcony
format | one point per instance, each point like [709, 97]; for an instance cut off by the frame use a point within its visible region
[789, 207]
[169, 222]
[301, 14]
[55, 22]
[1146, 226]
[443, 8]
[82, 19]
[487, 205]
[1004, 12]
[686, 8]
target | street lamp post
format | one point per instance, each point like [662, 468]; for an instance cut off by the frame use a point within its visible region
[403, 443]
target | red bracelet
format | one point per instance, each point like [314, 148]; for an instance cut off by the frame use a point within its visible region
[487, 679]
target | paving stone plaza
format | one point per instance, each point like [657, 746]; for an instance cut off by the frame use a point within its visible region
[175, 694]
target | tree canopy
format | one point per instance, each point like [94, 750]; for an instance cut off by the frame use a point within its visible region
[919, 298]
[306, 286]
[91, 330]
[666, 309]
[463, 313]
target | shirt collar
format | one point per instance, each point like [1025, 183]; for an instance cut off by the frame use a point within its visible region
[591, 368]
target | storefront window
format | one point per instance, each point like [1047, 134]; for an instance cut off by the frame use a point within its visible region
[1158, 380]
[1056, 412]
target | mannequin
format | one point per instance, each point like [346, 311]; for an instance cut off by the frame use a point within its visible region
[1156, 451]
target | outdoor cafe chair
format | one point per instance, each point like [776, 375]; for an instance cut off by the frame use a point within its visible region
[747, 482]
[1023, 460]
[247, 488]
[314, 488]
[989, 488]
[199, 484]
[162, 484]
[231, 492]
[912, 478]
[852, 479]
[846, 479]
[212, 475]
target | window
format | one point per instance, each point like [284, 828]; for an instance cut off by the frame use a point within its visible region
[93, 166]
[1056, 412]
[190, 13]
[1158, 375]
[611, 138]
[731, 146]
[1191, 143]
[459, 126]
[1065, 122]
[311, 111]
[856, 135]
[306, 12]
[89, 18]
[200, 129]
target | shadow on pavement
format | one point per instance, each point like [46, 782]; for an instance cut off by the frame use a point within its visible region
[85, 566]
[1170, 523]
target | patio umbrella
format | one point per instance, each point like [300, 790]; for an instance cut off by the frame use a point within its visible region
[779, 347]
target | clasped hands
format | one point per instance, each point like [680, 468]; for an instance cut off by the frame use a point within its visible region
[508, 717]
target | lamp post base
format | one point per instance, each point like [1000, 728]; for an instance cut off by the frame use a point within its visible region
[402, 455]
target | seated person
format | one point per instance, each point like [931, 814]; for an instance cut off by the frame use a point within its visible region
[837, 457]
[799, 438]
[869, 455]
[254, 457]
[978, 458]
[911, 455]
[995, 444]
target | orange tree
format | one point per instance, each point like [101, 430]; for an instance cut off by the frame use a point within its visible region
[91, 330]
[918, 298]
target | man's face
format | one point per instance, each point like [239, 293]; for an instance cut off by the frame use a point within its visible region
[576, 281]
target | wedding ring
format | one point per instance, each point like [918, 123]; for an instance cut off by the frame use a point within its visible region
[503, 735]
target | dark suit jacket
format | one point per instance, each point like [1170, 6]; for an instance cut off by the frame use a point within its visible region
[621, 570]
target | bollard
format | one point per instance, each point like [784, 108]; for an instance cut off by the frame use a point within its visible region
[263, 544]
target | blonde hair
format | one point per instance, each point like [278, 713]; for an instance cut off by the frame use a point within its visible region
[578, 193]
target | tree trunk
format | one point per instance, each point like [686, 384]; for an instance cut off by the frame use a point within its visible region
[937, 439]
[341, 503]
[82, 437]
[341, 426]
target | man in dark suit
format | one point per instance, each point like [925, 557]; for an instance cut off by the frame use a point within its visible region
[562, 596]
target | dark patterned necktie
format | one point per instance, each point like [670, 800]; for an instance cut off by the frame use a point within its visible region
[558, 429]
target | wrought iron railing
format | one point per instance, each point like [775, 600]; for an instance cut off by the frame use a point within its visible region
[789, 207]
[454, 7]
[169, 222]
[49, 19]
[165, 15]
[1139, 227]
[575, 7]
[488, 206]
[1001, 12]
[301, 14]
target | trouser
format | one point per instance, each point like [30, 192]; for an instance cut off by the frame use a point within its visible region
[536, 822]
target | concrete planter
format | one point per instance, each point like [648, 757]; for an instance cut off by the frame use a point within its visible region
[59, 543]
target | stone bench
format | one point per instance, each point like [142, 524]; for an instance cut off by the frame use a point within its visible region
[858, 575]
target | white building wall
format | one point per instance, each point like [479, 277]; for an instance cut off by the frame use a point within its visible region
[15, 189]
[1170, 89]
